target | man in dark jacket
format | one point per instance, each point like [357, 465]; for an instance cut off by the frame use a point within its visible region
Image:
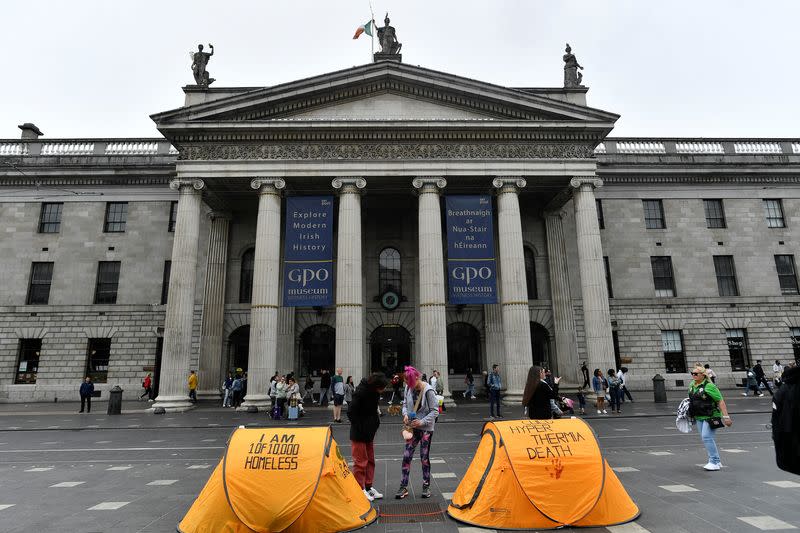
[786, 421]
[364, 421]
[324, 388]
[760, 378]
[86, 390]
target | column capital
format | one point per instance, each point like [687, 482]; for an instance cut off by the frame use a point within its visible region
[224, 215]
[509, 183]
[260, 184]
[349, 184]
[195, 183]
[429, 183]
[578, 181]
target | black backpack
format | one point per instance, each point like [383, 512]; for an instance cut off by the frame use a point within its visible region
[786, 422]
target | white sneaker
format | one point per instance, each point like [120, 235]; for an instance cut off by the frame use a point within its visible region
[375, 494]
[605, 412]
[712, 467]
[367, 495]
[599, 411]
[744, 394]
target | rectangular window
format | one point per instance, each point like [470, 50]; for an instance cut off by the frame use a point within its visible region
[773, 210]
[601, 221]
[726, 275]
[165, 282]
[28, 360]
[674, 356]
[737, 348]
[173, 216]
[715, 214]
[653, 214]
[663, 279]
[39, 287]
[116, 217]
[608, 277]
[98, 354]
[107, 282]
[787, 278]
[795, 333]
[50, 217]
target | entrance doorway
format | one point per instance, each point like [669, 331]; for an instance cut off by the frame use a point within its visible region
[463, 348]
[317, 349]
[238, 349]
[540, 346]
[390, 349]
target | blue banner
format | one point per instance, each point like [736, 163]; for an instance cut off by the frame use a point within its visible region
[471, 265]
[308, 251]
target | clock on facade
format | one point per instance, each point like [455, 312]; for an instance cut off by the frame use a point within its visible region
[390, 300]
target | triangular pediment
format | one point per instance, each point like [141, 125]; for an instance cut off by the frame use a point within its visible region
[383, 91]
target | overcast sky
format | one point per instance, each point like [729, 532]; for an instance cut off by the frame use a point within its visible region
[84, 68]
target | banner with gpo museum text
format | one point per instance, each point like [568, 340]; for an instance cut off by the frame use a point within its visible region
[471, 264]
[308, 251]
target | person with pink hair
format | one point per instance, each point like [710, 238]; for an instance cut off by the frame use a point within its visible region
[420, 409]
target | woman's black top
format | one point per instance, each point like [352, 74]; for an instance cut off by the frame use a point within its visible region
[363, 413]
[539, 404]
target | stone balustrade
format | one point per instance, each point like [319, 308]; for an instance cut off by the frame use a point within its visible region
[676, 146]
[86, 147]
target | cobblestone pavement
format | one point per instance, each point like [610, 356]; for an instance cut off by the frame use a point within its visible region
[65, 472]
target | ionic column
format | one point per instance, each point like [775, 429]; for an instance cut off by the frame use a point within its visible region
[173, 388]
[514, 292]
[563, 314]
[596, 316]
[493, 331]
[432, 323]
[209, 373]
[349, 279]
[262, 357]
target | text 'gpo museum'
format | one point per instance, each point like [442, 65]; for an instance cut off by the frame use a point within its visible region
[383, 215]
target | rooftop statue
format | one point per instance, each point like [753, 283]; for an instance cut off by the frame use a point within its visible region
[388, 38]
[200, 60]
[572, 78]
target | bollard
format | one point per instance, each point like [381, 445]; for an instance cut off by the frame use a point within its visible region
[115, 401]
[659, 389]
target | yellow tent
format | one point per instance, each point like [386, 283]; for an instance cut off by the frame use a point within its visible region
[540, 474]
[280, 479]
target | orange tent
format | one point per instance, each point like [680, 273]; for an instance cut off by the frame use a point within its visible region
[280, 479]
[540, 474]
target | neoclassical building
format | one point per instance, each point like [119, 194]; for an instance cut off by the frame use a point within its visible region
[192, 251]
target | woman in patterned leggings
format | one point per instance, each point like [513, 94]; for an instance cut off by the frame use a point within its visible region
[420, 409]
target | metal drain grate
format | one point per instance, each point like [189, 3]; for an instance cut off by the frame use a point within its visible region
[410, 513]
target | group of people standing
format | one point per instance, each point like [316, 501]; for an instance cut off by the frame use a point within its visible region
[611, 387]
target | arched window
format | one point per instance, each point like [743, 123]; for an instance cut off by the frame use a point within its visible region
[389, 271]
[530, 274]
[246, 277]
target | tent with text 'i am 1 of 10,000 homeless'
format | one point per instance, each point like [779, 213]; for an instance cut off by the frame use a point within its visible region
[292, 480]
[540, 474]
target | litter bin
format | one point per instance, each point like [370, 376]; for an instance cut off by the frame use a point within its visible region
[115, 401]
[659, 389]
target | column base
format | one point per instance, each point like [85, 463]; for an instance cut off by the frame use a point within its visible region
[172, 404]
[254, 403]
[209, 395]
[513, 399]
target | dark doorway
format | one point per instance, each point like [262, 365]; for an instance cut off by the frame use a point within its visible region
[463, 348]
[317, 349]
[390, 349]
[617, 358]
[540, 345]
[157, 366]
[238, 349]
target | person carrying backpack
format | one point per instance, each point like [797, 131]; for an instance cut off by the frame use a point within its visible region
[786, 421]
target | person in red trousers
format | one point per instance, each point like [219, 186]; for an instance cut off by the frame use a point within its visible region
[364, 421]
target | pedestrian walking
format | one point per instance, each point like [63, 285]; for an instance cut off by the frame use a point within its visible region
[786, 421]
[585, 374]
[761, 378]
[777, 373]
[599, 385]
[751, 383]
[362, 411]
[495, 383]
[349, 388]
[420, 410]
[227, 394]
[538, 396]
[438, 386]
[147, 385]
[236, 390]
[337, 385]
[308, 390]
[86, 389]
[324, 388]
[708, 408]
[622, 375]
[192, 386]
[469, 381]
[613, 390]
[710, 374]
[582, 399]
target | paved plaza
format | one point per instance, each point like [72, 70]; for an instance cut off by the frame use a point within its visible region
[61, 471]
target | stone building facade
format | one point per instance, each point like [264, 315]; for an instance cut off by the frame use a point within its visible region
[128, 256]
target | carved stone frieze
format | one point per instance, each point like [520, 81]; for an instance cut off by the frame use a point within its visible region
[262, 151]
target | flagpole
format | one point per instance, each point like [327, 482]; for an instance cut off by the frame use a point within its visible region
[372, 36]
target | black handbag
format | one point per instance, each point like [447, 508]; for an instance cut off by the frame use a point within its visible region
[715, 422]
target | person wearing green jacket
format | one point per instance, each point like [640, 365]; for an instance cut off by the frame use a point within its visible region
[708, 408]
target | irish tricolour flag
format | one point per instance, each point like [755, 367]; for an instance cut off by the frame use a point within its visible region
[365, 28]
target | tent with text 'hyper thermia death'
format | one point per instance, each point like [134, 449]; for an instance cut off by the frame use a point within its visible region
[290, 480]
[540, 474]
